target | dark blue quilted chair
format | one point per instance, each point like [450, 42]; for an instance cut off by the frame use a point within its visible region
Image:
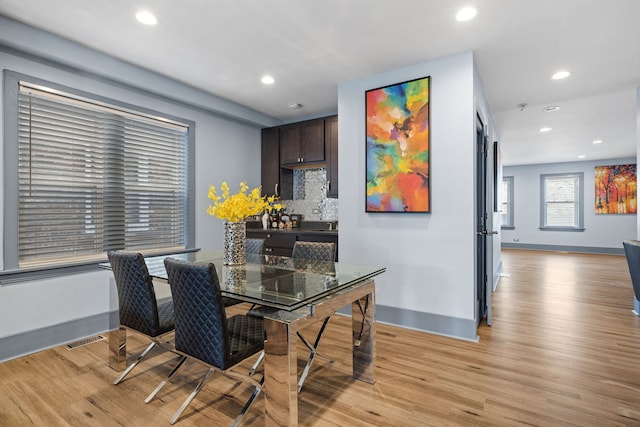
[138, 308]
[632, 252]
[317, 251]
[203, 331]
[254, 246]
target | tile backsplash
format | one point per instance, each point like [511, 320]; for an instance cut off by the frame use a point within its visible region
[310, 196]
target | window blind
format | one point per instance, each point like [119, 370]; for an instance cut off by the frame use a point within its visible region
[561, 201]
[506, 207]
[95, 177]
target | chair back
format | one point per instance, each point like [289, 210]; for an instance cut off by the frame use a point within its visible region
[321, 251]
[138, 307]
[632, 252]
[254, 246]
[201, 322]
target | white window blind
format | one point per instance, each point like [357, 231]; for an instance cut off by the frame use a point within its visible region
[562, 206]
[506, 208]
[93, 177]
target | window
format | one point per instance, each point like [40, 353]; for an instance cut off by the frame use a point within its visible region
[93, 177]
[562, 202]
[506, 208]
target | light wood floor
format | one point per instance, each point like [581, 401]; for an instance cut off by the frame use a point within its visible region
[564, 349]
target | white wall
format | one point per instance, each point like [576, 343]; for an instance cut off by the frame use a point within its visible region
[429, 257]
[227, 148]
[602, 232]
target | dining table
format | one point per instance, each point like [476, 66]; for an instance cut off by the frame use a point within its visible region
[298, 293]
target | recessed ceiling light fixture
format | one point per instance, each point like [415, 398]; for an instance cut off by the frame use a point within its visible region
[563, 74]
[551, 108]
[295, 105]
[582, 156]
[267, 80]
[146, 17]
[466, 14]
[545, 129]
[597, 141]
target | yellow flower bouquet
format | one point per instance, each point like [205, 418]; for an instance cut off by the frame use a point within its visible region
[239, 206]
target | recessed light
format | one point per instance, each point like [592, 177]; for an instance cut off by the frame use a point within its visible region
[466, 14]
[146, 17]
[267, 80]
[582, 156]
[561, 75]
[551, 108]
[545, 129]
[597, 141]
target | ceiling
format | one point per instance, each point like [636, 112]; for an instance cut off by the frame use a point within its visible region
[225, 46]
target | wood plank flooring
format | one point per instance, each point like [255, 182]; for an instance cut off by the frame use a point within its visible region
[564, 350]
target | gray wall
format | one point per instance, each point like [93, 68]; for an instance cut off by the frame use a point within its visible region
[602, 234]
[43, 313]
[430, 258]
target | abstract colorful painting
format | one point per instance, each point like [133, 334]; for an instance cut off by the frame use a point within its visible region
[397, 152]
[616, 189]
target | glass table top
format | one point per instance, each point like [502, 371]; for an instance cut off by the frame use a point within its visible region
[275, 281]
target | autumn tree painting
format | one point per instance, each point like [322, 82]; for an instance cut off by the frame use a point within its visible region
[616, 189]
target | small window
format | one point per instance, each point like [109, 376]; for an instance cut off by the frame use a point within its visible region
[562, 203]
[506, 207]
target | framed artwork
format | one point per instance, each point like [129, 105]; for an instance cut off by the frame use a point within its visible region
[616, 189]
[398, 150]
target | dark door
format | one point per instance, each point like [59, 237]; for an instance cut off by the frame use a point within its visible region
[482, 217]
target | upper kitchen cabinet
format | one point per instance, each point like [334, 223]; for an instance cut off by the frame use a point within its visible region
[275, 181]
[331, 154]
[302, 143]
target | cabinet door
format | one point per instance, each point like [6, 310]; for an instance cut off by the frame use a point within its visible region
[270, 170]
[312, 149]
[331, 154]
[290, 144]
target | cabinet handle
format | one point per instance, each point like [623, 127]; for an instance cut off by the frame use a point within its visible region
[328, 184]
[301, 159]
[275, 190]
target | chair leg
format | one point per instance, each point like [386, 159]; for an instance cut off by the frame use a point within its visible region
[314, 351]
[133, 365]
[191, 396]
[256, 392]
[166, 380]
[257, 364]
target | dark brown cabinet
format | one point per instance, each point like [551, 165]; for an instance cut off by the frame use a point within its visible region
[281, 243]
[331, 154]
[274, 180]
[302, 143]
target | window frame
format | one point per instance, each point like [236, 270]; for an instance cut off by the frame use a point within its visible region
[11, 271]
[510, 224]
[579, 194]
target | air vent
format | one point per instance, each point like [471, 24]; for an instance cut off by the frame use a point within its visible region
[84, 341]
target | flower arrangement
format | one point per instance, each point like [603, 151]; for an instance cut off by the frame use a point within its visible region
[236, 207]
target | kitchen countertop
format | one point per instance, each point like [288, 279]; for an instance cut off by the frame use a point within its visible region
[294, 231]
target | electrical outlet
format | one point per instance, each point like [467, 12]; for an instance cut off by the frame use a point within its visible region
[315, 211]
[515, 239]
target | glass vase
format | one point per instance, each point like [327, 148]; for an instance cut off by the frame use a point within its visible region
[235, 243]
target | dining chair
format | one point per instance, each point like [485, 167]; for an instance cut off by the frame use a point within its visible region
[317, 251]
[254, 246]
[632, 253]
[138, 307]
[204, 333]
